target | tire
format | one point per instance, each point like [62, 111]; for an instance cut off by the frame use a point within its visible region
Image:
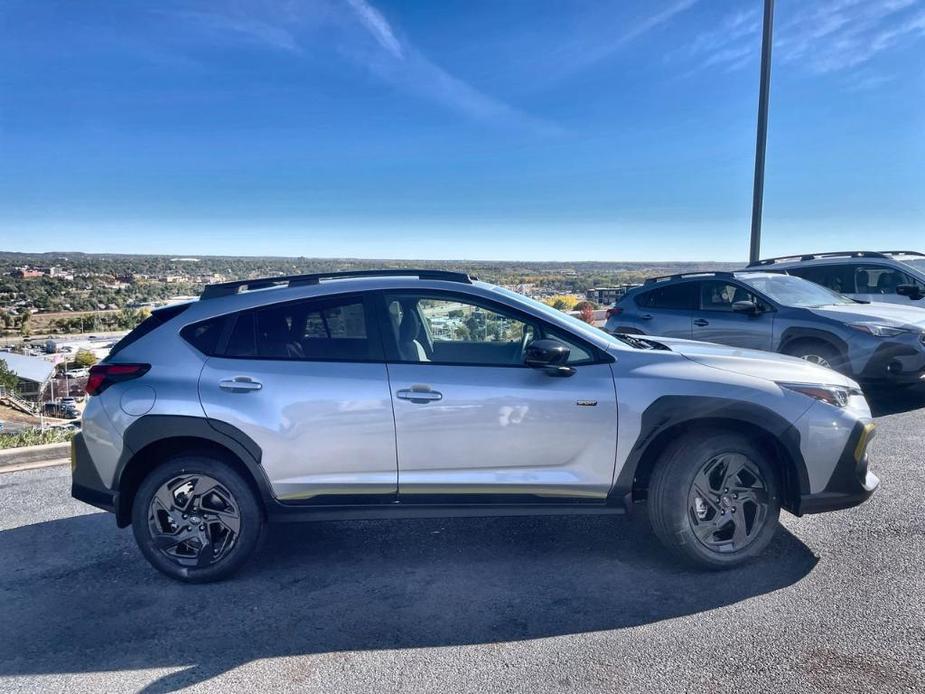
[675, 514]
[205, 489]
[816, 352]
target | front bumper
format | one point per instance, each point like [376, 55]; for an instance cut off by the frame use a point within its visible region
[851, 482]
[86, 484]
[897, 363]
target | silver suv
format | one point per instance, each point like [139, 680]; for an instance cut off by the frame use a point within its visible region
[397, 394]
[892, 277]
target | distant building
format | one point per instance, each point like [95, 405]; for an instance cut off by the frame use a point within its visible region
[33, 373]
[26, 273]
[605, 296]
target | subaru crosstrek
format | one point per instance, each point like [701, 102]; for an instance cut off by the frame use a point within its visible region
[426, 394]
[873, 343]
[893, 277]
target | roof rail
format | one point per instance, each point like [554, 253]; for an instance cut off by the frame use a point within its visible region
[816, 256]
[213, 291]
[902, 253]
[687, 275]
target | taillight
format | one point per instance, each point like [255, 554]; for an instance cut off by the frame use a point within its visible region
[104, 375]
[614, 311]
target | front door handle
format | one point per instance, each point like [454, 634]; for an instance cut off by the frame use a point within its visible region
[240, 384]
[700, 322]
[420, 395]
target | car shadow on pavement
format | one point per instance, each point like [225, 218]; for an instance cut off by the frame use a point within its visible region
[79, 598]
[887, 401]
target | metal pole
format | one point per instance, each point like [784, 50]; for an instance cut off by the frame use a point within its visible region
[762, 140]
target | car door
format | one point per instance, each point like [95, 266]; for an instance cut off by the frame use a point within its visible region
[306, 380]
[715, 321]
[666, 309]
[472, 420]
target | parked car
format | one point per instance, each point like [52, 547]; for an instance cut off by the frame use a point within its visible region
[896, 277]
[400, 394]
[873, 343]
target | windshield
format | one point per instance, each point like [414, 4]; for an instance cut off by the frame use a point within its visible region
[788, 290]
[917, 263]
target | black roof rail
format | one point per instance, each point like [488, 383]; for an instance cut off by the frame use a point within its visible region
[902, 253]
[817, 256]
[213, 291]
[687, 275]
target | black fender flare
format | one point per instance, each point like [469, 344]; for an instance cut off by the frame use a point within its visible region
[671, 411]
[152, 429]
[791, 335]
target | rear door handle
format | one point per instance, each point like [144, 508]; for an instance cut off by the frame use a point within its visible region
[420, 395]
[240, 384]
[700, 322]
[646, 316]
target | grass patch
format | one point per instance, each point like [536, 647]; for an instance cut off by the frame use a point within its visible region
[35, 437]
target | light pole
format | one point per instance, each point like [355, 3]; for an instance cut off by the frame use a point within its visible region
[762, 139]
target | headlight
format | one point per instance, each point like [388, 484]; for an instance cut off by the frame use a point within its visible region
[877, 329]
[836, 396]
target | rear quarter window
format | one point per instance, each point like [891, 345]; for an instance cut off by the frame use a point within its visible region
[205, 335]
[155, 320]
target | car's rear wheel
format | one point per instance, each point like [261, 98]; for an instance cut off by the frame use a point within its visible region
[817, 352]
[713, 499]
[196, 519]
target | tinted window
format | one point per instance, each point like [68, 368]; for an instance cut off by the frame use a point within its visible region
[320, 329]
[838, 278]
[242, 342]
[879, 279]
[204, 336]
[720, 296]
[677, 296]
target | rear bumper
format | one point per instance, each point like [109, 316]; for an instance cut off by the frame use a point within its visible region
[86, 484]
[851, 483]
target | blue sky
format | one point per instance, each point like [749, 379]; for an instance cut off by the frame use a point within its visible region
[487, 130]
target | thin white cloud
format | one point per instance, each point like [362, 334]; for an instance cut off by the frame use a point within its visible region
[829, 36]
[598, 40]
[359, 32]
[378, 26]
[245, 28]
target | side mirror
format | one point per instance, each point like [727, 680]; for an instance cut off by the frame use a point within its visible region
[913, 291]
[550, 355]
[749, 307]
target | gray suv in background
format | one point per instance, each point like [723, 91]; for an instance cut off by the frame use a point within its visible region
[895, 277]
[400, 394]
[872, 343]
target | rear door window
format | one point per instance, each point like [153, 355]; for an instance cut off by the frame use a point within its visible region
[322, 329]
[682, 296]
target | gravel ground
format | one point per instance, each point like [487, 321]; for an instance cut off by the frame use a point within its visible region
[587, 604]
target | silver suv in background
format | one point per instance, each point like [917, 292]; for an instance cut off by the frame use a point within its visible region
[423, 394]
[895, 277]
[873, 343]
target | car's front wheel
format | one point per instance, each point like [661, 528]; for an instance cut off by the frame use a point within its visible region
[196, 519]
[713, 499]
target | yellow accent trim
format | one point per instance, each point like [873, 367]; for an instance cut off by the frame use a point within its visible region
[866, 436]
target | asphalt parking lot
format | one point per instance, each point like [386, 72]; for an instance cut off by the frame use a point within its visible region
[587, 604]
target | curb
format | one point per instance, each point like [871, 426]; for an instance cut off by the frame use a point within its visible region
[27, 455]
